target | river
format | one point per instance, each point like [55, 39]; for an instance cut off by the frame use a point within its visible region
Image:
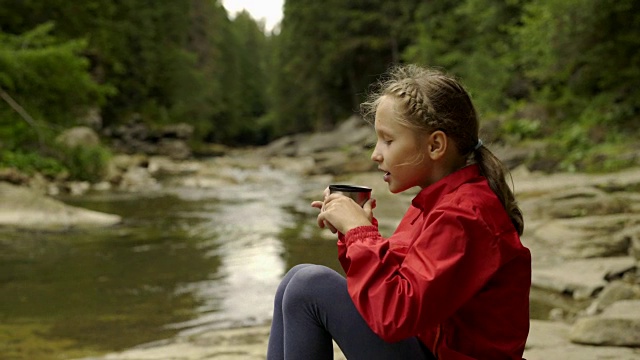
[184, 260]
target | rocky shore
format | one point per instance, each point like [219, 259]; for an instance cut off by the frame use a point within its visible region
[583, 231]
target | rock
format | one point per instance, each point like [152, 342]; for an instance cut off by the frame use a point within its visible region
[161, 166]
[136, 137]
[581, 279]
[174, 148]
[13, 176]
[577, 202]
[539, 183]
[78, 136]
[21, 207]
[589, 236]
[298, 165]
[634, 239]
[182, 131]
[284, 146]
[341, 162]
[138, 179]
[613, 292]
[550, 341]
[618, 325]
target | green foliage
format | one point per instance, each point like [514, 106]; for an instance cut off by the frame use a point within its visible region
[31, 163]
[470, 39]
[188, 61]
[582, 57]
[324, 67]
[48, 79]
[88, 163]
[521, 129]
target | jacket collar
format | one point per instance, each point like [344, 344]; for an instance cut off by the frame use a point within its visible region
[430, 195]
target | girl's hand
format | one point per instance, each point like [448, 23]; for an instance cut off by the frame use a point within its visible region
[339, 213]
[319, 205]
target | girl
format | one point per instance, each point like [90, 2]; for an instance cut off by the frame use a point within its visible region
[453, 280]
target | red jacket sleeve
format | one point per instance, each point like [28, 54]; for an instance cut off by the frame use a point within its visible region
[401, 293]
[342, 246]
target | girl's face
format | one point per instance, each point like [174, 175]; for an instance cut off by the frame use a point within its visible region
[403, 158]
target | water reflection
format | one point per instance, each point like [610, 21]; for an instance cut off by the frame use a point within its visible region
[102, 290]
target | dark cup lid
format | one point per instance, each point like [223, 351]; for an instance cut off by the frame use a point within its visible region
[348, 188]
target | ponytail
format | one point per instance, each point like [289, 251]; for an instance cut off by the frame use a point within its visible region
[494, 170]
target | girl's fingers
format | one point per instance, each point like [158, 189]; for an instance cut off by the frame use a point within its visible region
[368, 207]
[331, 228]
[317, 204]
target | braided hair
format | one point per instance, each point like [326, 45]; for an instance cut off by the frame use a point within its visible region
[429, 100]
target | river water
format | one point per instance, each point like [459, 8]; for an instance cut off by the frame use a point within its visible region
[184, 260]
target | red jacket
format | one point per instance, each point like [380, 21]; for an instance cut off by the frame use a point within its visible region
[454, 273]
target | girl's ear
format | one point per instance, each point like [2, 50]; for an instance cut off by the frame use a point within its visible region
[438, 143]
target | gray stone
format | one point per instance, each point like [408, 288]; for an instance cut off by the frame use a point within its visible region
[589, 236]
[618, 325]
[580, 278]
[21, 207]
[550, 341]
[78, 136]
[613, 292]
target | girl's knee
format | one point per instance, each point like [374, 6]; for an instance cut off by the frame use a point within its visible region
[316, 275]
[313, 281]
[287, 278]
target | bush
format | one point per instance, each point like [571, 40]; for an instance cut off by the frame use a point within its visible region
[88, 163]
[31, 163]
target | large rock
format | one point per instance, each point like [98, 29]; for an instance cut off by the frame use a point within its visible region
[589, 236]
[618, 325]
[613, 292]
[21, 207]
[78, 136]
[550, 341]
[582, 279]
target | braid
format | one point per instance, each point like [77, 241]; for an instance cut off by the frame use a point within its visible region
[415, 104]
[430, 100]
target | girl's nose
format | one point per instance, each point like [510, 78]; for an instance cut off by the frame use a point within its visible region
[375, 155]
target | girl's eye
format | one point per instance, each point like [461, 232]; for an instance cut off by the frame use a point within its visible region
[388, 142]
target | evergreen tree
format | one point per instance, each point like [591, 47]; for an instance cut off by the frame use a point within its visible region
[45, 86]
[471, 39]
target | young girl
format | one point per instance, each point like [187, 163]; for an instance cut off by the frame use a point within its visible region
[453, 280]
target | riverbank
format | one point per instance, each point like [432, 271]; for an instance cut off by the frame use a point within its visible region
[547, 341]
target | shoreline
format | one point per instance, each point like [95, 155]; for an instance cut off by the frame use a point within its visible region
[548, 340]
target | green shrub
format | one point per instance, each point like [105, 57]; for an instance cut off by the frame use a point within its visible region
[88, 163]
[31, 163]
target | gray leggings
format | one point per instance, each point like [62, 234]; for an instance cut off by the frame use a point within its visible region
[312, 307]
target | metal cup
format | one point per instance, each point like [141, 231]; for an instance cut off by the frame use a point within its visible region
[359, 194]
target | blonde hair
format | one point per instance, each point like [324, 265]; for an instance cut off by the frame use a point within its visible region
[429, 100]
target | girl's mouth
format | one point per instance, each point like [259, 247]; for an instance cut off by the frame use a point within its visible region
[387, 176]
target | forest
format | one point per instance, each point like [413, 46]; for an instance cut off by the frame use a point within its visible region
[567, 71]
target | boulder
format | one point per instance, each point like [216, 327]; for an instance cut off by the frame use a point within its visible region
[613, 292]
[588, 236]
[550, 341]
[582, 279]
[24, 208]
[78, 136]
[618, 325]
